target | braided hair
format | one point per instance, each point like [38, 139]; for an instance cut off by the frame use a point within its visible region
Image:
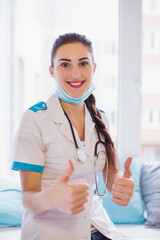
[109, 145]
[90, 101]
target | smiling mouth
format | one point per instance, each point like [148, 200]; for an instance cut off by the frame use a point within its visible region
[76, 84]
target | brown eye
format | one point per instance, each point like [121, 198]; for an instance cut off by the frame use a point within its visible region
[84, 63]
[64, 65]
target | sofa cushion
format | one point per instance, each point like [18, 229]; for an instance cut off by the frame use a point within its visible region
[134, 212]
[150, 184]
[11, 209]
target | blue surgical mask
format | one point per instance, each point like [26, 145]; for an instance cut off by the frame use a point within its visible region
[60, 93]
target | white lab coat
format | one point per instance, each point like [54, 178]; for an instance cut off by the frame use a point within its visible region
[45, 143]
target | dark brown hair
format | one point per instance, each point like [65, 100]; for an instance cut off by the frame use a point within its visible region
[109, 145]
[70, 38]
[90, 101]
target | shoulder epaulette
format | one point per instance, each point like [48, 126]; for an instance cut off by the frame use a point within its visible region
[100, 110]
[38, 106]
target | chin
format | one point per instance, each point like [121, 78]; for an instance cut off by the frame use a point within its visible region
[76, 95]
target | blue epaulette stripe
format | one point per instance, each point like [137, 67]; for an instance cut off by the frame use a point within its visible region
[27, 166]
[100, 110]
[38, 106]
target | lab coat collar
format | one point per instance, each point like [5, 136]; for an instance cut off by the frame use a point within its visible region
[58, 117]
[55, 109]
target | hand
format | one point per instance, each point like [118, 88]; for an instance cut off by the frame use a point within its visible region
[66, 197]
[123, 188]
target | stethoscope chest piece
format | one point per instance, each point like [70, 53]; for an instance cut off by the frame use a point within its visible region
[81, 155]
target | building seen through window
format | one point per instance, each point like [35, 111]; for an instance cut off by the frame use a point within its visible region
[151, 81]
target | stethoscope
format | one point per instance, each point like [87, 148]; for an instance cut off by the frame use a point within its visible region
[81, 156]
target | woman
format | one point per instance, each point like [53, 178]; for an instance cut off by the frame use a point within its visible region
[55, 153]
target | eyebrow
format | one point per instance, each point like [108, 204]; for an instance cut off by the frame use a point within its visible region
[83, 58]
[68, 60]
[64, 59]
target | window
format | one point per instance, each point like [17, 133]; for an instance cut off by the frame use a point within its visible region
[30, 41]
[151, 7]
[150, 81]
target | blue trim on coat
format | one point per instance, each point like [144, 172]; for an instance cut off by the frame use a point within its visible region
[100, 110]
[38, 106]
[27, 167]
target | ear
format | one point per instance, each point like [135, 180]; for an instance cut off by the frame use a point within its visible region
[94, 68]
[51, 71]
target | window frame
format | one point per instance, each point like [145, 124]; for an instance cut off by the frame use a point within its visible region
[130, 78]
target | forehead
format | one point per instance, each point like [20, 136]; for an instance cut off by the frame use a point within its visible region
[72, 50]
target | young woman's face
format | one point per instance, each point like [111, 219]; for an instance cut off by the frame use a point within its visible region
[73, 68]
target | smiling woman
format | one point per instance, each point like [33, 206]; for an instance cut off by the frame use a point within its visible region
[60, 148]
[25, 44]
[74, 72]
[72, 65]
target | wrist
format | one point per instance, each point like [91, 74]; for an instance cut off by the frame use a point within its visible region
[48, 197]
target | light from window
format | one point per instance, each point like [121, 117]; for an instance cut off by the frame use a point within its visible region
[150, 81]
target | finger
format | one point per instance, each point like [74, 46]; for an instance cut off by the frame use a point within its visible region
[65, 176]
[123, 188]
[80, 188]
[77, 210]
[79, 203]
[79, 196]
[121, 196]
[120, 202]
[127, 172]
[124, 182]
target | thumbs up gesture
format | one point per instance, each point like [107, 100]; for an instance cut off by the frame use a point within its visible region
[123, 188]
[65, 197]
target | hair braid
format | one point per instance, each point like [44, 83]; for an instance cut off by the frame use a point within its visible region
[109, 145]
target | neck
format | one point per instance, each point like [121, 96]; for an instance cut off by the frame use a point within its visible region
[72, 109]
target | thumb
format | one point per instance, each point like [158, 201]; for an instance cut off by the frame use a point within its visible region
[127, 172]
[65, 176]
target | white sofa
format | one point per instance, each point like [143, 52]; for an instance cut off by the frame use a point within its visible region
[137, 232]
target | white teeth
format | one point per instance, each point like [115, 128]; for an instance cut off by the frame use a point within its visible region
[75, 84]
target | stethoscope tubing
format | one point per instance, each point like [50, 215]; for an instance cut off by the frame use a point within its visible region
[95, 152]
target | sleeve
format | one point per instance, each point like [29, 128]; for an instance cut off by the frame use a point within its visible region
[28, 151]
[105, 120]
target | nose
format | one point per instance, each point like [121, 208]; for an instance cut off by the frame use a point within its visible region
[75, 72]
